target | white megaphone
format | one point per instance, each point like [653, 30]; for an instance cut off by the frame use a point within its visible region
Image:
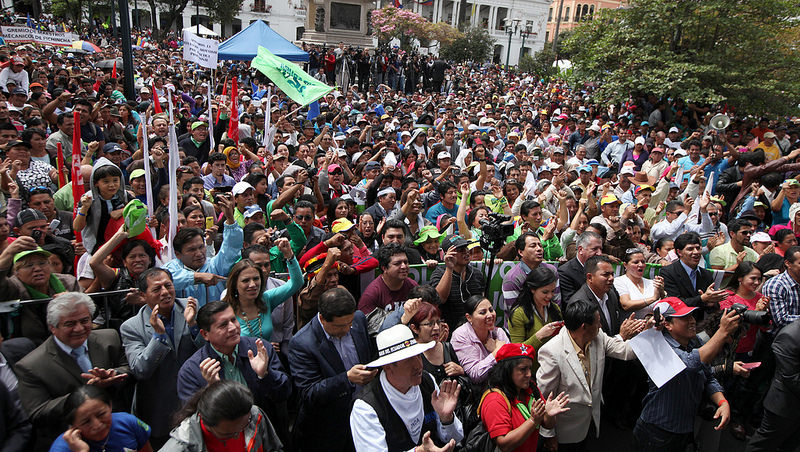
[720, 121]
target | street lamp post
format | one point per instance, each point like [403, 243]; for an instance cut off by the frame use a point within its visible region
[511, 29]
[525, 32]
[197, 13]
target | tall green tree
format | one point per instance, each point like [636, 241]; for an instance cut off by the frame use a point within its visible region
[742, 53]
[223, 11]
[475, 44]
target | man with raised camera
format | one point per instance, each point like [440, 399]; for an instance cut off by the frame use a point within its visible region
[668, 416]
[456, 281]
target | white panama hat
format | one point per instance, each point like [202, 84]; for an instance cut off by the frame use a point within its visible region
[396, 344]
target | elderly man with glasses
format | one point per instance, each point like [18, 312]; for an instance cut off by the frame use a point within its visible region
[73, 356]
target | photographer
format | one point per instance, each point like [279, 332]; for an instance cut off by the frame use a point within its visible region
[668, 416]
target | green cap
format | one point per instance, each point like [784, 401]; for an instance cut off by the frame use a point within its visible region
[197, 124]
[37, 250]
[135, 215]
[427, 233]
[135, 174]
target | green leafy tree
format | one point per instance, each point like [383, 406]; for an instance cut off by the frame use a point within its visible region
[742, 53]
[171, 9]
[540, 64]
[475, 44]
[223, 11]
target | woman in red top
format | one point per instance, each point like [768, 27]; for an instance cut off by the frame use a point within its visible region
[514, 409]
[743, 289]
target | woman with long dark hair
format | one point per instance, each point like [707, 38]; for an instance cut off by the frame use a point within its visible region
[534, 319]
[441, 360]
[513, 409]
[222, 416]
[477, 341]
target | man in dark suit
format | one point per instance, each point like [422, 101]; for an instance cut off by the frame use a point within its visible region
[229, 356]
[571, 275]
[687, 279]
[157, 341]
[778, 430]
[73, 356]
[325, 358]
[599, 291]
[11, 351]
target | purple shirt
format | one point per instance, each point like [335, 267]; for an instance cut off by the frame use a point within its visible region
[513, 282]
[378, 295]
[473, 356]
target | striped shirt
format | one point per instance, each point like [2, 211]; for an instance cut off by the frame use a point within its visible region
[673, 406]
[784, 300]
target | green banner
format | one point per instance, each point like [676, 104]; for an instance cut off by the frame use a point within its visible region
[290, 78]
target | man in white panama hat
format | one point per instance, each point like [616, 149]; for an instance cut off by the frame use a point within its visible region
[404, 409]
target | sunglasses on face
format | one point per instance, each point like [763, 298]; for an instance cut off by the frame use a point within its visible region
[304, 217]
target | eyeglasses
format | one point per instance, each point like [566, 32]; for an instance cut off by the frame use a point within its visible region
[304, 217]
[336, 173]
[747, 232]
[433, 323]
[713, 214]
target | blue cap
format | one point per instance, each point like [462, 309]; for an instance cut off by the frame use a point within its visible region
[593, 162]
[252, 210]
[585, 169]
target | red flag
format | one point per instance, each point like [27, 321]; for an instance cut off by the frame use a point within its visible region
[77, 178]
[114, 70]
[156, 103]
[233, 124]
[62, 179]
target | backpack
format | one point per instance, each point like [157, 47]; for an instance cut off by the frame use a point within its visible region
[478, 439]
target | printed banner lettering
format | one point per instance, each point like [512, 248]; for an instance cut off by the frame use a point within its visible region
[200, 50]
[25, 34]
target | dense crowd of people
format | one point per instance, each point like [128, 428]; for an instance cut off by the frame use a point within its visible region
[282, 314]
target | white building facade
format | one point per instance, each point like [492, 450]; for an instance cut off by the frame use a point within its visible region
[524, 21]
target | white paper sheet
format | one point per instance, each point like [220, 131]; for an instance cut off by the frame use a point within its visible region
[657, 357]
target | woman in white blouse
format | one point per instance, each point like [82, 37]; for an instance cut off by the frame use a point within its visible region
[637, 293]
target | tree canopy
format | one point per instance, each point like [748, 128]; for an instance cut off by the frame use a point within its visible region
[474, 44]
[742, 53]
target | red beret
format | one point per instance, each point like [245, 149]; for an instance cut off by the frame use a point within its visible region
[515, 351]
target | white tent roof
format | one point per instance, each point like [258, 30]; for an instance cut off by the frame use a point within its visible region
[204, 31]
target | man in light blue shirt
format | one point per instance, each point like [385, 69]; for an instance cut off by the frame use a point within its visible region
[194, 275]
[615, 150]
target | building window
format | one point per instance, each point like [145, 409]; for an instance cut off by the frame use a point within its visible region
[546, 36]
[550, 15]
[591, 12]
[578, 13]
[566, 17]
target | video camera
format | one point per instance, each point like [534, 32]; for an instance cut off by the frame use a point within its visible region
[496, 229]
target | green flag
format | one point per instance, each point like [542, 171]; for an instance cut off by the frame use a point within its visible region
[299, 86]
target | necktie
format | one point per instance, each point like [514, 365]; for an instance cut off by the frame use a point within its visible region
[81, 358]
[693, 277]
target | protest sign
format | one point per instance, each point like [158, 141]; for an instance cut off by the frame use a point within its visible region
[200, 50]
[25, 34]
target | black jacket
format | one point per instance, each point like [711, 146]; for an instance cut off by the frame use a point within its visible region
[678, 284]
[783, 396]
[571, 277]
[612, 305]
[326, 395]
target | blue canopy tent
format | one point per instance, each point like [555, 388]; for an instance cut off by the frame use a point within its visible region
[244, 45]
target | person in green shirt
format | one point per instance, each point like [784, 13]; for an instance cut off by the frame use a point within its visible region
[531, 215]
[289, 189]
[243, 197]
[534, 318]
